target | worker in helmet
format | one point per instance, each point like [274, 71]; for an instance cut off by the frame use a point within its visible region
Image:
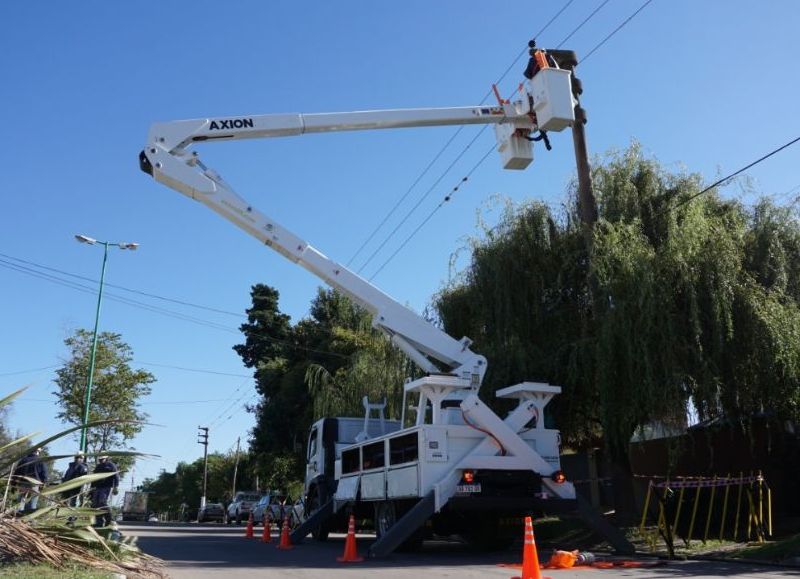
[536, 62]
[103, 488]
[75, 469]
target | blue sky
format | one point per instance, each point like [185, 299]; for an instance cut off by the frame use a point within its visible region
[709, 86]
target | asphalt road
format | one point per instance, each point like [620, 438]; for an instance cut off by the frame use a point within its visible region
[193, 550]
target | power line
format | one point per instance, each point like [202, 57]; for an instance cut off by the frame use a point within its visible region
[141, 403]
[579, 26]
[731, 176]
[155, 309]
[113, 297]
[214, 413]
[29, 371]
[217, 373]
[439, 154]
[421, 199]
[140, 292]
[617, 29]
[403, 198]
[591, 15]
[432, 213]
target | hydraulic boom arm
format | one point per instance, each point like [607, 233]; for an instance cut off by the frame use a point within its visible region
[168, 159]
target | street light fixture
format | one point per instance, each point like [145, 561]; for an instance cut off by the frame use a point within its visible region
[88, 397]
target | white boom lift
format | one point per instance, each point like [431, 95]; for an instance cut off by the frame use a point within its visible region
[428, 462]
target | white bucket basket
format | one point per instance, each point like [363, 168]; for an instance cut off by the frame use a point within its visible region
[552, 99]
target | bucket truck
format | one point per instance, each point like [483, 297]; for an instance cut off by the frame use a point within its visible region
[457, 467]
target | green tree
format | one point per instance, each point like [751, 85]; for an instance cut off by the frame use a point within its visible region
[321, 366]
[693, 301]
[184, 486]
[116, 390]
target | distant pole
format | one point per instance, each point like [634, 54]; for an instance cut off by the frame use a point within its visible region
[203, 439]
[235, 468]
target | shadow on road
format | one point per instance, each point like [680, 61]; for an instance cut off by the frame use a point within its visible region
[210, 546]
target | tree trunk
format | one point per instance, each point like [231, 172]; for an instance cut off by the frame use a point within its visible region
[623, 488]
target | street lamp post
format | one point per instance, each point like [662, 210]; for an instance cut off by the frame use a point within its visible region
[88, 396]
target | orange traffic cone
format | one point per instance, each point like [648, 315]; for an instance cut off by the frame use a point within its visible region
[286, 541]
[350, 551]
[266, 534]
[248, 533]
[530, 558]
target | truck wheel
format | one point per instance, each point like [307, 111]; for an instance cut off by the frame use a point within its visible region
[315, 501]
[386, 516]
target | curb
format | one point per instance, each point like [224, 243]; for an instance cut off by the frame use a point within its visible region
[785, 564]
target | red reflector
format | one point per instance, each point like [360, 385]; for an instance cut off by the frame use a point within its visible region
[468, 476]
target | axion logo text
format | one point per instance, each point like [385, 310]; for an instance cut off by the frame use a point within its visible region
[230, 124]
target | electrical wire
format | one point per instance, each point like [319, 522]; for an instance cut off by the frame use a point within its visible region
[579, 26]
[441, 151]
[214, 413]
[421, 199]
[29, 371]
[589, 17]
[216, 373]
[729, 177]
[432, 213]
[92, 290]
[155, 309]
[141, 403]
[139, 292]
[113, 297]
[403, 198]
[617, 29]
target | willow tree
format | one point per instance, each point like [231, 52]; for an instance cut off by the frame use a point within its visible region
[369, 366]
[321, 366]
[693, 300]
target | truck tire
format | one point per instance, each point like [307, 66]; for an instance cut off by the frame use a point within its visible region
[315, 501]
[386, 515]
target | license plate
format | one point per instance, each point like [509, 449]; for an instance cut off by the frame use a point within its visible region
[467, 489]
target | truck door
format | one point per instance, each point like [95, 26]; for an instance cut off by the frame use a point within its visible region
[315, 454]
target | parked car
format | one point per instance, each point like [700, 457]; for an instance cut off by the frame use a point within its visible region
[282, 508]
[261, 507]
[242, 504]
[278, 507]
[211, 512]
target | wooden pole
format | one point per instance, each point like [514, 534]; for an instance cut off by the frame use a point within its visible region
[235, 468]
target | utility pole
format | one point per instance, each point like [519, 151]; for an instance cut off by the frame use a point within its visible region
[235, 467]
[587, 204]
[203, 439]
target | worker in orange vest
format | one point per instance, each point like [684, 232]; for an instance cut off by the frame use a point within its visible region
[536, 62]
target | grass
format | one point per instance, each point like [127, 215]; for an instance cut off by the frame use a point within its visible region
[571, 533]
[774, 551]
[43, 571]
